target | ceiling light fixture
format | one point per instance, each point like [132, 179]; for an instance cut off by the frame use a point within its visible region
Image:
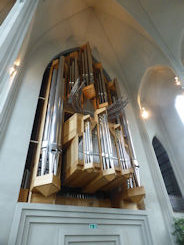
[13, 69]
[177, 81]
[144, 113]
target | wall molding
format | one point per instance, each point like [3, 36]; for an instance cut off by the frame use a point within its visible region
[27, 214]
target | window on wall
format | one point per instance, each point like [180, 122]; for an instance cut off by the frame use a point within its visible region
[168, 175]
[179, 105]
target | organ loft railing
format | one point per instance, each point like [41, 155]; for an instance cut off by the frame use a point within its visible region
[81, 150]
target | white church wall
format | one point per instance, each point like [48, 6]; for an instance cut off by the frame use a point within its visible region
[164, 121]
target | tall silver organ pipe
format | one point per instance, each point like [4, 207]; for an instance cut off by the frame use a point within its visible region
[55, 141]
[88, 146]
[102, 81]
[90, 66]
[127, 159]
[124, 156]
[46, 134]
[106, 144]
[52, 138]
[130, 144]
[100, 84]
[87, 65]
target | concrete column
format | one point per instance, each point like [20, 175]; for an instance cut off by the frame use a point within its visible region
[14, 37]
[13, 42]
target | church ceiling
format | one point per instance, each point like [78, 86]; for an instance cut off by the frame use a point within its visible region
[125, 35]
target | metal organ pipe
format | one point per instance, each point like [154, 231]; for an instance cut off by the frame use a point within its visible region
[103, 85]
[124, 157]
[127, 159]
[109, 143]
[52, 142]
[90, 66]
[46, 134]
[86, 67]
[106, 144]
[136, 176]
[55, 140]
[88, 150]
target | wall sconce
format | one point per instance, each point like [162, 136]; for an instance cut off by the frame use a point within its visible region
[13, 69]
[177, 81]
[144, 113]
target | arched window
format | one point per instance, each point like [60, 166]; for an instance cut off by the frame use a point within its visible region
[168, 175]
[179, 105]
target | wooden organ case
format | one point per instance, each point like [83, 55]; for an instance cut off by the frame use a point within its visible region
[80, 151]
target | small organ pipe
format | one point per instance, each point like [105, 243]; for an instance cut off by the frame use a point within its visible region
[109, 143]
[124, 157]
[83, 66]
[88, 146]
[73, 73]
[106, 144]
[86, 66]
[103, 85]
[90, 64]
[102, 146]
[101, 99]
[76, 70]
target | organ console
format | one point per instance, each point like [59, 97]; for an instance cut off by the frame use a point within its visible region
[83, 145]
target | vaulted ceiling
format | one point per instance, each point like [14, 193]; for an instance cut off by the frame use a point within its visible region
[127, 36]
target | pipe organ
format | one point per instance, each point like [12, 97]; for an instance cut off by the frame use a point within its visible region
[82, 148]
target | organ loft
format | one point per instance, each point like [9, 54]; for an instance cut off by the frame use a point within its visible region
[81, 150]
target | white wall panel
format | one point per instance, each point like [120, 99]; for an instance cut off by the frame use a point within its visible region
[57, 224]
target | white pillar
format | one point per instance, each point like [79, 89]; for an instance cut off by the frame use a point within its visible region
[14, 35]
[14, 39]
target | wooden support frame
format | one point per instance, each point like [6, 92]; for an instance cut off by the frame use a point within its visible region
[47, 184]
[23, 195]
[77, 173]
[120, 174]
[89, 91]
[72, 127]
[135, 194]
[107, 175]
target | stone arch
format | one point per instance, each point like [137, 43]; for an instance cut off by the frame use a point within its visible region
[153, 84]
[157, 93]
